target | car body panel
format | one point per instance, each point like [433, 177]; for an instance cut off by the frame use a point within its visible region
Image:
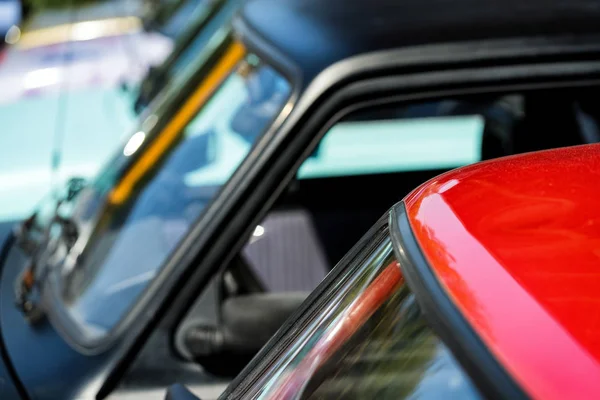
[8, 389]
[5, 230]
[38, 354]
[514, 243]
[315, 35]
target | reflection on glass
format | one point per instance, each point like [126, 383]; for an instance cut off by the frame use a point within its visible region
[369, 341]
[202, 40]
[176, 24]
[133, 238]
[134, 143]
[206, 26]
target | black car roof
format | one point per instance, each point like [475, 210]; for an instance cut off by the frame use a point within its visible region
[314, 34]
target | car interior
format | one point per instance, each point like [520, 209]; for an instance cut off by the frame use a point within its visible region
[325, 211]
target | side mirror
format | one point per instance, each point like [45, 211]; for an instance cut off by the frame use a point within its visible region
[250, 321]
[179, 392]
[247, 323]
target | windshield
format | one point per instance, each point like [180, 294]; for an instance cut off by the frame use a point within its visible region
[370, 340]
[154, 202]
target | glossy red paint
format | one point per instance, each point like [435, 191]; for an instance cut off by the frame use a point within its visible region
[516, 244]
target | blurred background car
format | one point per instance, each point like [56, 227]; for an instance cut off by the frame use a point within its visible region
[62, 107]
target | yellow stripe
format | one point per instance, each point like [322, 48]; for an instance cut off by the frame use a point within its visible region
[78, 31]
[170, 133]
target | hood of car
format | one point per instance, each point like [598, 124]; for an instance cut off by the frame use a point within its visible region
[515, 242]
[8, 388]
[5, 229]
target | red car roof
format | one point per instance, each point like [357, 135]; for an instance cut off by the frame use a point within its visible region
[516, 244]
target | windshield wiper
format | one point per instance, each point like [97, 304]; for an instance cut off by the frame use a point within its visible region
[27, 288]
[24, 231]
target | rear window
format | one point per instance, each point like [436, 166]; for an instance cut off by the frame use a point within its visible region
[367, 341]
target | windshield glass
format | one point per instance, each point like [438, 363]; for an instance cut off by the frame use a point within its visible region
[174, 176]
[369, 341]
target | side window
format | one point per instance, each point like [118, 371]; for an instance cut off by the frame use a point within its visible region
[332, 202]
[431, 136]
[395, 145]
[398, 147]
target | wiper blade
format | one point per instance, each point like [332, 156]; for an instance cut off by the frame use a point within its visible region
[24, 231]
[23, 234]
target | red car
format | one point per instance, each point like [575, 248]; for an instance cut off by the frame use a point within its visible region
[482, 282]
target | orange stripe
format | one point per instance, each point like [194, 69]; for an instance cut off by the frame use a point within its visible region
[169, 134]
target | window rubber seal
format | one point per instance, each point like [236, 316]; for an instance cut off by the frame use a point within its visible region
[492, 380]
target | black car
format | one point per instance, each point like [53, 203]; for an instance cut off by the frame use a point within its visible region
[213, 222]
